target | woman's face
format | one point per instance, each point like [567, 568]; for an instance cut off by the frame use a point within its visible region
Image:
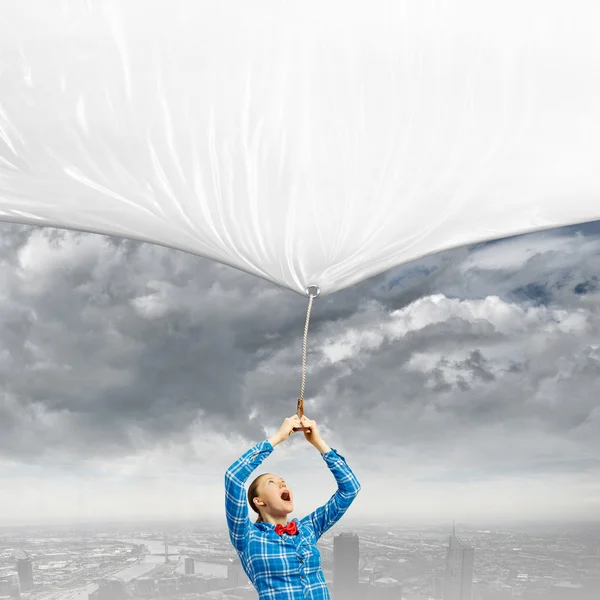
[277, 497]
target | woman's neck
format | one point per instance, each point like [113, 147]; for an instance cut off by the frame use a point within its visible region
[275, 520]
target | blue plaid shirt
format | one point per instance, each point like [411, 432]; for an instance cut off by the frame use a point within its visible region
[286, 567]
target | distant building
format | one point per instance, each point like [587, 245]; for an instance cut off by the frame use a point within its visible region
[236, 576]
[167, 586]
[245, 592]
[364, 585]
[385, 588]
[501, 594]
[145, 586]
[9, 587]
[109, 589]
[345, 567]
[568, 591]
[189, 566]
[438, 588]
[458, 578]
[25, 571]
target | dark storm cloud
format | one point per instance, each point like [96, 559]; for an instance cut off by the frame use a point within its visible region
[383, 400]
[110, 346]
[89, 354]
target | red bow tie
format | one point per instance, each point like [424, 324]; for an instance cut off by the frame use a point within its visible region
[289, 528]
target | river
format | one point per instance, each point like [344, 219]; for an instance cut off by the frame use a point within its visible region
[144, 566]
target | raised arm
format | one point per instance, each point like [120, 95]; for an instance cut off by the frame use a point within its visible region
[236, 502]
[324, 517]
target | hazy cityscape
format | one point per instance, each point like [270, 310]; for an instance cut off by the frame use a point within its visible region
[369, 562]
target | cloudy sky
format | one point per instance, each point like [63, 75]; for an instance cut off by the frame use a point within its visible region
[462, 386]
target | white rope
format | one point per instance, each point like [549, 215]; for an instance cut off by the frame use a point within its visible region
[310, 301]
[300, 407]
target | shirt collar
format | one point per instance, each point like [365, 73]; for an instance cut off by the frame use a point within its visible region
[264, 526]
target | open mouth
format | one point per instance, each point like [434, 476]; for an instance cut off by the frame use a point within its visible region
[285, 495]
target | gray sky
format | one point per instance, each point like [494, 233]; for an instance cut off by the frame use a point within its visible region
[463, 386]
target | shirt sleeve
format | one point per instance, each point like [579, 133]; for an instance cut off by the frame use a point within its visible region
[324, 517]
[236, 501]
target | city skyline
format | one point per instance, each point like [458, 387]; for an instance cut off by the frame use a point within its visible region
[190, 563]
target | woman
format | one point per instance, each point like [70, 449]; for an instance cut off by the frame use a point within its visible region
[280, 558]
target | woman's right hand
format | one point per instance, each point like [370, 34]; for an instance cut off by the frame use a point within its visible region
[286, 429]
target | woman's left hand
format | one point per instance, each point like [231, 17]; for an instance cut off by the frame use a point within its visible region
[313, 434]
